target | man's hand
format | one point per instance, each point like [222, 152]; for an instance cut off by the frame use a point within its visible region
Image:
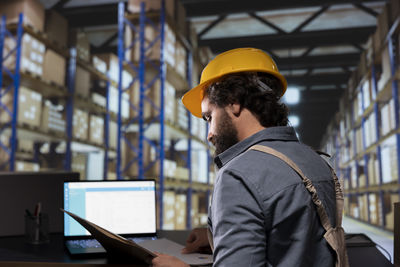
[163, 260]
[197, 242]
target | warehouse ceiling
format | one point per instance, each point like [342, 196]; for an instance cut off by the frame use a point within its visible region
[315, 43]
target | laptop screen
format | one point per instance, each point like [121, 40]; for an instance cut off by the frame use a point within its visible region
[122, 207]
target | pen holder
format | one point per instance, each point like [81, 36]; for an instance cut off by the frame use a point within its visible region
[37, 229]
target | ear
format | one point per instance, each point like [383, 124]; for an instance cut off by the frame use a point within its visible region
[236, 109]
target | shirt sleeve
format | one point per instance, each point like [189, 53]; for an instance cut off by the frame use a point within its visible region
[237, 223]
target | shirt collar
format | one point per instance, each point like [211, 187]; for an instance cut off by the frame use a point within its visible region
[279, 133]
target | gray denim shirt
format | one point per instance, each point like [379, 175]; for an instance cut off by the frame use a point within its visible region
[261, 213]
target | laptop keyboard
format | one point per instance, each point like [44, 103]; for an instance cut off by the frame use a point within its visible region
[84, 243]
[93, 243]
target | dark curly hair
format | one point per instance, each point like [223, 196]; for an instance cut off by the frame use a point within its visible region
[244, 89]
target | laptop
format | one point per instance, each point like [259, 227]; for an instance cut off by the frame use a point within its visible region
[124, 207]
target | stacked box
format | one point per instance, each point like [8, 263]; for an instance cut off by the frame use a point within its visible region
[389, 160]
[169, 102]
[366, 93]
[389, 200]
[52, 117]
[114, 100]
[96, 130]
[199, 166]
[78, 39]
[194, 211]
[26, 166]
[362, 181]
[362, 203]
[154, 51]
[29, 107]
[387, 117]
[33, 11]
[182, 173]
[32, 54]
[370, 130]
[80, 124]
[54, 67]
[374, 209]
[112, 62]
[112, 134]
[78, 164]
[359, 140]
[180, 212]
[56, 27]
[181, 115]
[99, 99]
[152, 5]
[373, 170]
[180, 59]
[169, 210]
[383, 22]
[128, 155]
[99, 64]
[25, 145]
[82, 82]
[386, 70]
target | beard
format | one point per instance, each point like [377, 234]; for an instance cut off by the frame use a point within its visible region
[226, 134]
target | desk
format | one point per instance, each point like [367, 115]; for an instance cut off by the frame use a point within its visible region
[15, 252]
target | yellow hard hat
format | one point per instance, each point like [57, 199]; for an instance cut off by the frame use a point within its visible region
[232, 61]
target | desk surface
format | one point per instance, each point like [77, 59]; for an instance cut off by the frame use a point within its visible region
[14, 251]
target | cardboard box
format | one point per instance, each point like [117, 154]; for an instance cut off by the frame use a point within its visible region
[78, 164]
[99, 64]
[180, 59]
[114, 100]
[96, 130]
[169, 210]
[112, 62]
[80, 124]
[112, 134]
[56, 27]
[180, 212]
[82, 82]
[128, 154]
[33, 11]
[153, 5]
[154, 52]
[25, 145]
[29, 107]
[32, 54]
[389, 200]
[53, 117]
[54, 67]
[78, 38]
[383, 22]
[26, 166]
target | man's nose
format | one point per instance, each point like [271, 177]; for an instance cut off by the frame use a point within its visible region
[209, 136]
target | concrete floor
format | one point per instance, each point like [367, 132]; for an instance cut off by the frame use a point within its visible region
[381, 237]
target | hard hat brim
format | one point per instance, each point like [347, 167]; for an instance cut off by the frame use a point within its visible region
[193, 98]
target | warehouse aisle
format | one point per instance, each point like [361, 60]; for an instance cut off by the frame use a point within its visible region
[379, 236]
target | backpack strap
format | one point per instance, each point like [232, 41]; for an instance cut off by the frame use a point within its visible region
[307, 182]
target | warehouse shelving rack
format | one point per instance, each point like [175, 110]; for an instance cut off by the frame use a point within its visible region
[144, 66]
[378, 97]
[139, 70]
[11, 148]
[15, 78]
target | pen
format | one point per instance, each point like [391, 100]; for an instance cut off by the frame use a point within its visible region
[37, 215]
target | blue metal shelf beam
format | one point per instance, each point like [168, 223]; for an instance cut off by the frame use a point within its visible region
[10, 150]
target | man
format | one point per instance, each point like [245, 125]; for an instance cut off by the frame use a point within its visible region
[261, 213]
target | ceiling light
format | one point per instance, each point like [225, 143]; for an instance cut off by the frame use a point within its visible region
[292, 95]
[294, 120]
